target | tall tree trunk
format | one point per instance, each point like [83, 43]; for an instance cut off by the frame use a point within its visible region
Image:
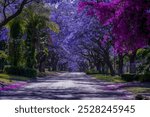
[103, 70]
[120, 70]
[42, 67]
[98, 67]
[109, 64]
[112, 72]
[114, 63]
[41, 61]
[132, 63]
[91, 66]
[54, 68]
[2, 64]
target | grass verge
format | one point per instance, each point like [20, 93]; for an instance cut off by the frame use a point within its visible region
[138, 90]
[6, 78]
[117, 79]
[108, 78]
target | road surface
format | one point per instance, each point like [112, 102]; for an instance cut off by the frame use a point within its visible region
[66, 86]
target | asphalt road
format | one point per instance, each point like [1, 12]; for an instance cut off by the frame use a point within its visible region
[66, 86]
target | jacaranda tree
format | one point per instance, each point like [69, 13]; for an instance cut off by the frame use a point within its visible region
[12, 8]
[129, 21]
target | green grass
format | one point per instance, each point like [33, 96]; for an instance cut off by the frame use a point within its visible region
[137, 90]
[117, 79]
[108, 78]
[9, 78]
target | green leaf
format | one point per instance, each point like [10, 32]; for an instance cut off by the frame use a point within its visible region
[3, 54]
[54, 27]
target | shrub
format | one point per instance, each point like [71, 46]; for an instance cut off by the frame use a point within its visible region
[21, 71]
[144, 78]
[130, 77]
[92, 71]
[138, 77]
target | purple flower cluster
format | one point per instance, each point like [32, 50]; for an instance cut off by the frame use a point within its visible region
[129, 19]
[122, 85]
[12, 86]
[4, 34]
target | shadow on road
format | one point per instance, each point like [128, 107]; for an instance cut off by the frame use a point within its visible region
[66, 86]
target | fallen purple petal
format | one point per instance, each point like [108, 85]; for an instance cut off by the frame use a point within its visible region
[13, 86]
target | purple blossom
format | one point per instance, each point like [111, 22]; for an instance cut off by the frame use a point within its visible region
[129, 21]
[4, 34]
[12, 86]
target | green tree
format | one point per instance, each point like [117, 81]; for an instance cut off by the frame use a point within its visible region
[3, 58]
[37, 34]
[16, 42]
[143, 57]
[3, 54]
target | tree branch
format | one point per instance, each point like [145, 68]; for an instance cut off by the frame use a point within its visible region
[7, 19]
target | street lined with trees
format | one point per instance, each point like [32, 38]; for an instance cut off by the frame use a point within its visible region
[104, 37]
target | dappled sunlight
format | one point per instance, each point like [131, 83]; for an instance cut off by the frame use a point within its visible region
[74, 49]
[63, 86]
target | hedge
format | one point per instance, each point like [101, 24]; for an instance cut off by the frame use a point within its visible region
[21, 71]
[136, 77]
[144, 78]
[92, 71]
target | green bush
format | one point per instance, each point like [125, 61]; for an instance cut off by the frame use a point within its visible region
[138, 77]
[130, 77]
[21, 71]
[144, 78]
[92, 71]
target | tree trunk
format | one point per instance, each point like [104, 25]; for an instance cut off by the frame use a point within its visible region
[98, 66]
[2, 63]
[112, 72]
[40, 67]
[102, 68]
[120, 70]
[132, 63]
[54, 66]
[110, 66]
[42, 60]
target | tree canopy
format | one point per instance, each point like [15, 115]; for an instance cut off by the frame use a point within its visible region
[130, 21]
